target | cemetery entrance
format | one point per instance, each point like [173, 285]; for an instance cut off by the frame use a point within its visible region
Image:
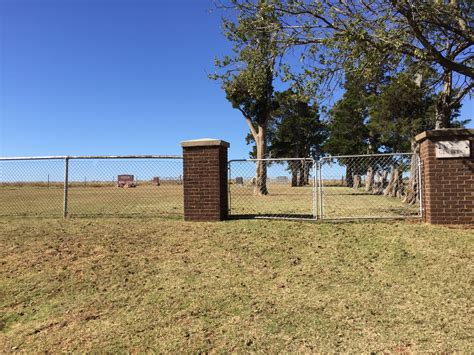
[369, 186]
[337, 187]
[283, 188]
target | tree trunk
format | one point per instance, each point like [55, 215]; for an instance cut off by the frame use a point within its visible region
[294, 173]
[261, 171]
[395, 186]
[376, 184]
[300, 174]
[349, 172]
[307, 167]
[357, 181]
[303, 168]
[380, 182]
[443, 104]
[369, 180]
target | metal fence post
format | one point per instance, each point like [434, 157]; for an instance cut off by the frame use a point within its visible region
[420, 182]
[320, 186]
[229, 181]
[66, 185]
[315, 189]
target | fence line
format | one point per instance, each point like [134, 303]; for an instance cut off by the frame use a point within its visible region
[333, 187]
[30, 185]
[57, 157]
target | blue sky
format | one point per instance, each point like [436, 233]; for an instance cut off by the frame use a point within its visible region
[86, 77]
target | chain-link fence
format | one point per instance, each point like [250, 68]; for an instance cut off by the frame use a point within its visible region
[272, 188]
[343, 187]
[369, 186]
[91, 186]
[362, 186]
[31, 187]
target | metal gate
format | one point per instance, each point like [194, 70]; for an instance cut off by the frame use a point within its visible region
[369, 186]
[287, 190]
[335, 187]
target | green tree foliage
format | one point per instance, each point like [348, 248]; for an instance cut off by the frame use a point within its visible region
[358, 36]
[402, 109]
[404, 106]
[248, 75]
[348, 132]
[296, 131]
[299, 133]
[384, 116]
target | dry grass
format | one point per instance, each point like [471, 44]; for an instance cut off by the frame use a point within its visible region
[164, 285]
[167, 200]
[338, 202]
[144, 200]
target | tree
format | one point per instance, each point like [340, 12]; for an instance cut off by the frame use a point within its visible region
[299, 130]
[357, 36]
[401, 109]
[299, 133]
[296, 131]
[247, 77]
[449, 101]
[348, 134]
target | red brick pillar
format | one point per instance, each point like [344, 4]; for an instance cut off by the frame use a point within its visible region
[205, 180]
[447, 176]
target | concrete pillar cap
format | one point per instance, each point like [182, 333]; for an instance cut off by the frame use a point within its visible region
[203, 142]
[446, 133]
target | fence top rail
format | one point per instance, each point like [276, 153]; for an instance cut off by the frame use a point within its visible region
[366, 155]
[56, 157]
[273, 159]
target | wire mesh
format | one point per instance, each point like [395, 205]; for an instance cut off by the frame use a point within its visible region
[364, 186]
[369, 186]
[96, 186]
[272, 188]
[125, 186]
[31, 187]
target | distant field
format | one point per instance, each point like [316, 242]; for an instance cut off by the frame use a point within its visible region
[146, 200]
[167, 200]
[142, 285]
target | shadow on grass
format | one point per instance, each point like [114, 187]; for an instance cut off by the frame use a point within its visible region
[272, 216]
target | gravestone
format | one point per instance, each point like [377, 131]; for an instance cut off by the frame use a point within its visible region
[126, 180]
[239, 180]
[282, 179]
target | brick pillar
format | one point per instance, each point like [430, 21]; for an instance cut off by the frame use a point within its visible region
[205, 180]
[447, 176]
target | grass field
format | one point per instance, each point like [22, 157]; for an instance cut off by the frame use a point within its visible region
[136, 284]
[167, 200]
[338, 202]
[145, 200]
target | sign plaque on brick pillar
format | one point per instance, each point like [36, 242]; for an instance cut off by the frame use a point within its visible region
[205, 179]
[447, 175]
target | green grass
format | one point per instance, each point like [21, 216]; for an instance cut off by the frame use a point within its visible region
[153, 284]
[167, 200]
